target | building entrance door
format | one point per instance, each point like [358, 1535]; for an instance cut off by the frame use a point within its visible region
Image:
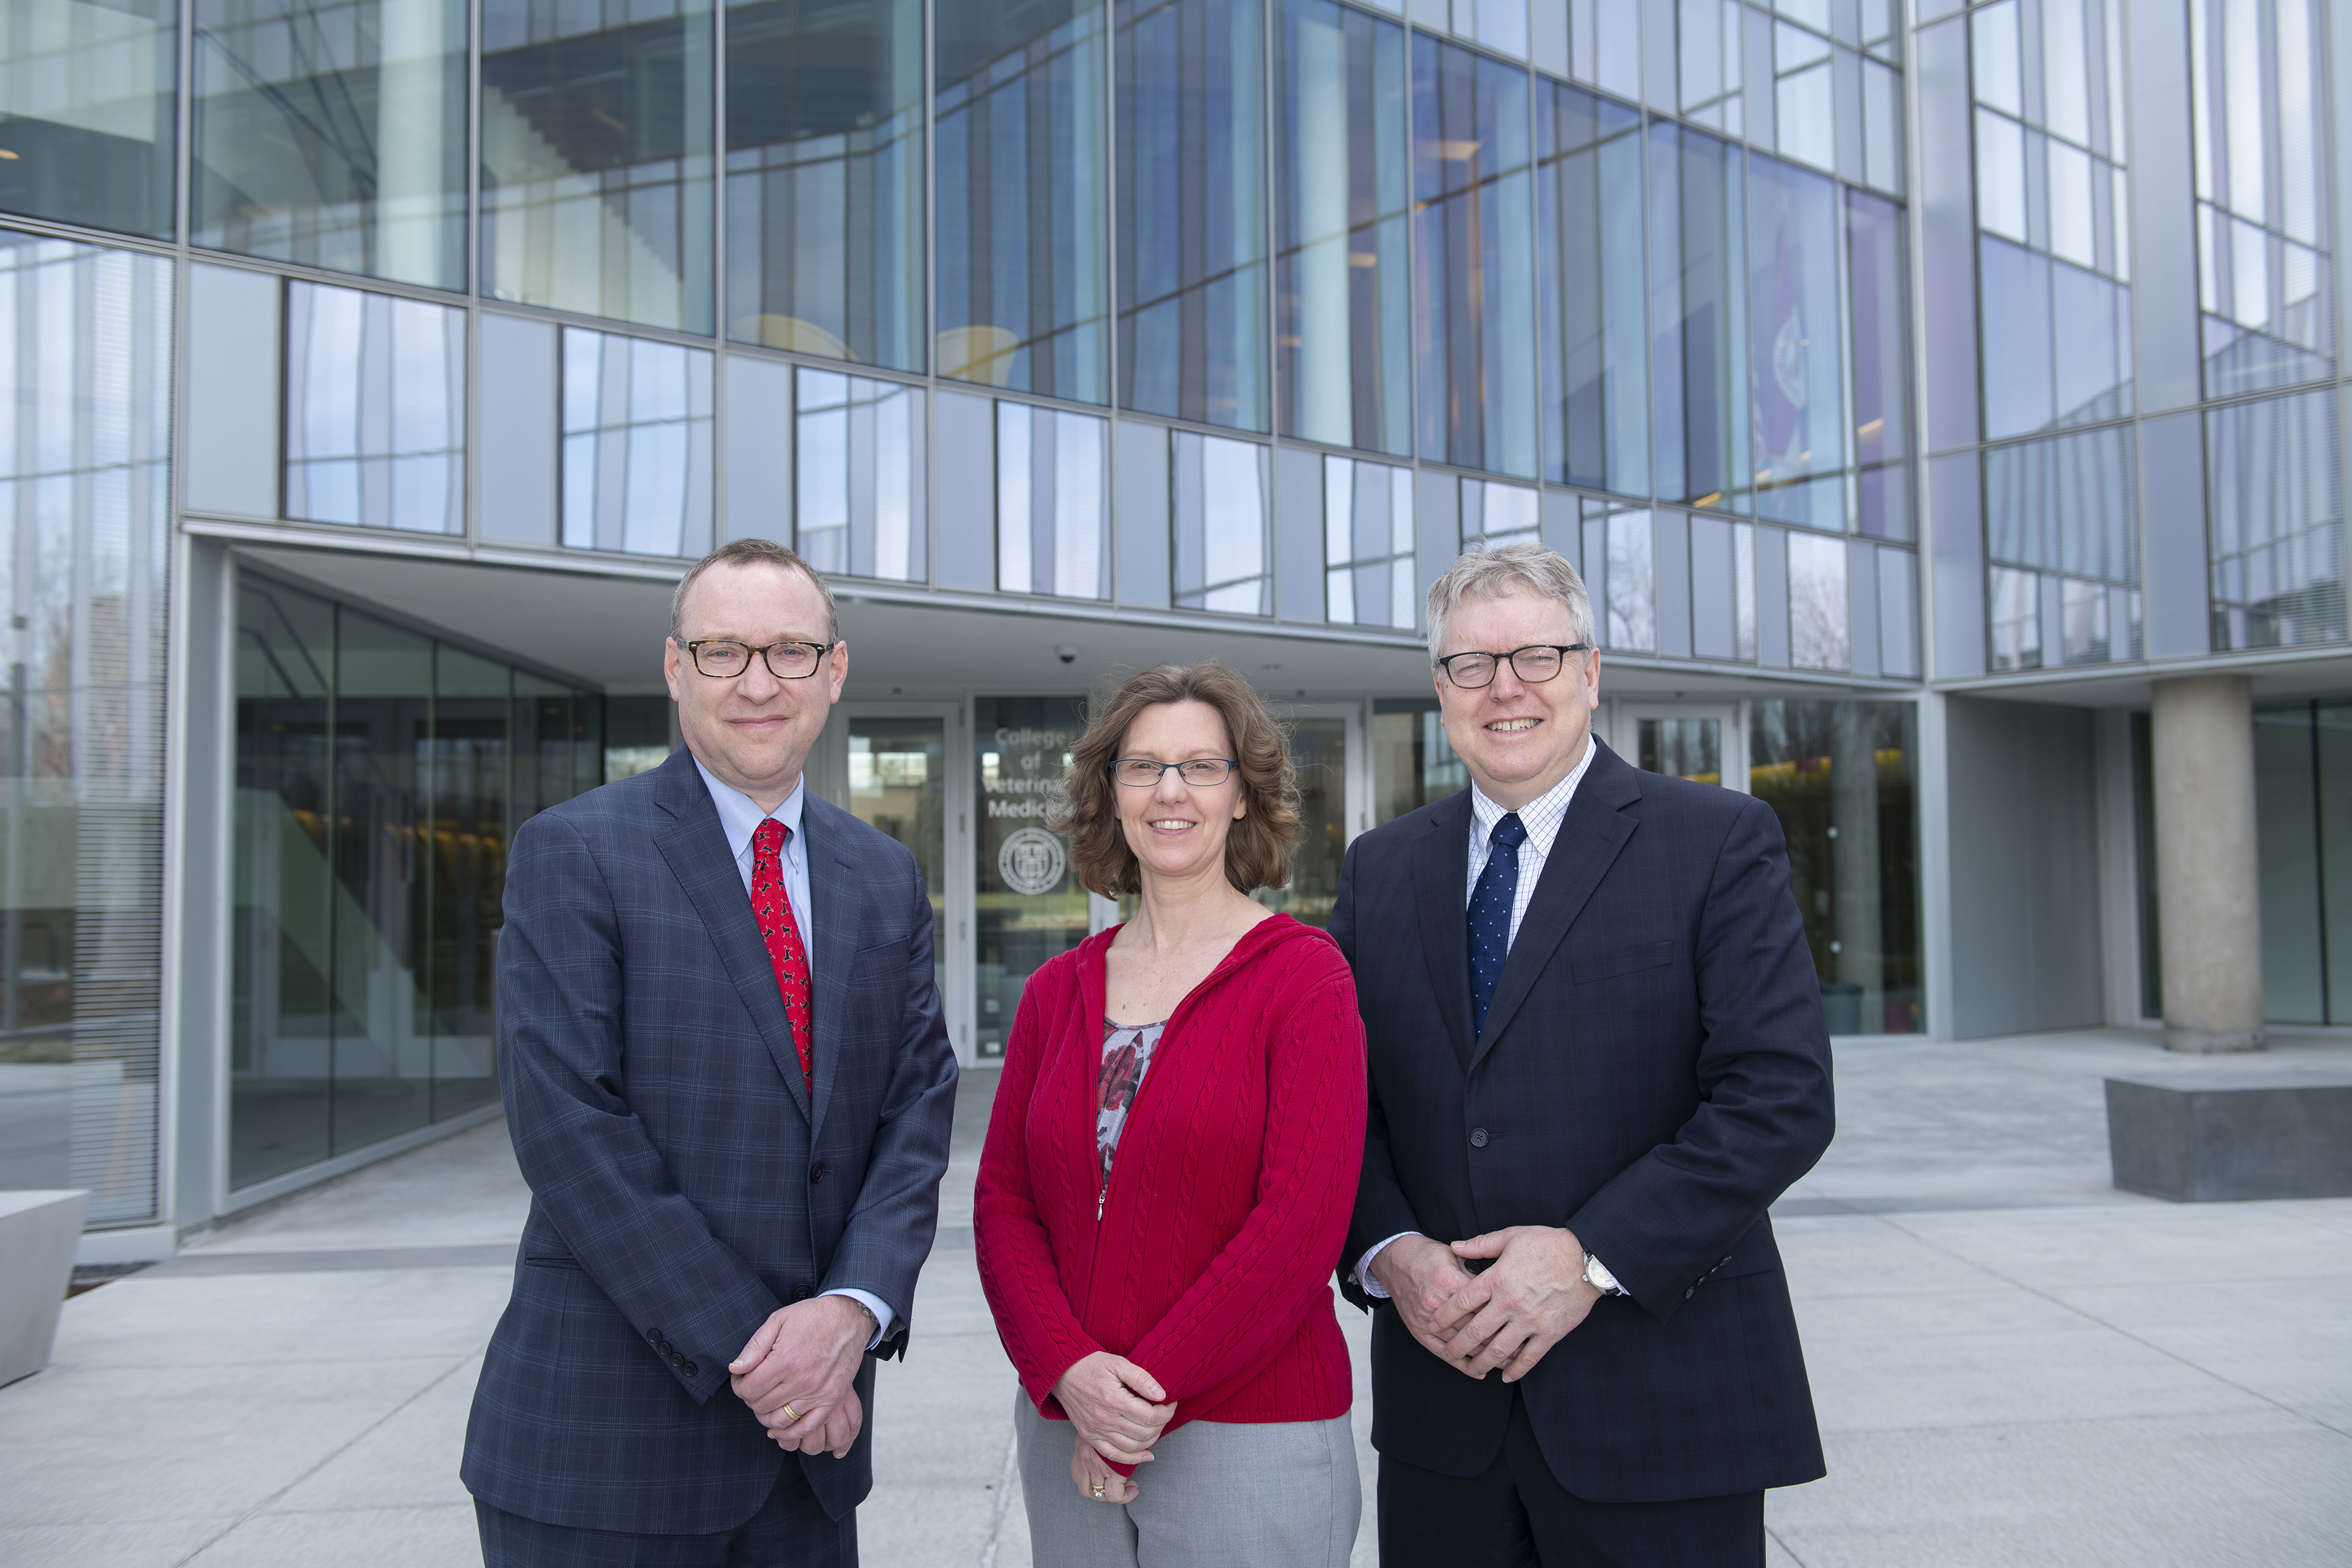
[1702, 741]
[1327, 747]
[903, 773]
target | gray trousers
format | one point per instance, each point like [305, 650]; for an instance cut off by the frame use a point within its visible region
[1271, 1495]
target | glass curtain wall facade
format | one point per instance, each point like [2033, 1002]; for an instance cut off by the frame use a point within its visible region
[380, 774]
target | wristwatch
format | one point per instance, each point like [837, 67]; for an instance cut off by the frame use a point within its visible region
[1598, 1276]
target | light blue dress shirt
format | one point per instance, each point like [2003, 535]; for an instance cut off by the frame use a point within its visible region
[740, 815]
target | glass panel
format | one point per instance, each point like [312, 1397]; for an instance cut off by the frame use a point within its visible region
[1341, 310]
[1192, 210]
[1882, 126]
[332, 133]
[1412, 762]
[1818, 629]
[89, 106]
[1028, 907]
[1492, 514]
[465, 789]
[898, 783]
[552, 763]
[1589, 222]
[824, 178]
[2333, 793]
[860, 480]
[636, 736]
[1474, 246]
[1806, 126]
[1224, 535]
[1682, 748]
[2286, 822]
[1604, 42]
[382, 1051]
[1708, 45]
[2277, 520]
[2016, 612]
[1839, 776]
[1020, 135]
[85, 376]
[1881, 374]
[596, 125]
[1798, 404]
[1368, 544]
[375, 410]
[636, 445]
[1699, 318]
[1319, 751]
[1630, 585]
[282, 912]
[1052, 515]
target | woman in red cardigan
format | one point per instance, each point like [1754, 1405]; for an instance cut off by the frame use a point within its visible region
[1172, 1162]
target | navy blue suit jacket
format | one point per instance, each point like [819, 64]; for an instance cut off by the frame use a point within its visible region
[684, 1184]
[1654, 1071]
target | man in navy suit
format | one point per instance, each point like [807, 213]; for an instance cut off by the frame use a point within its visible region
[1598, 1054]
[730, 1091]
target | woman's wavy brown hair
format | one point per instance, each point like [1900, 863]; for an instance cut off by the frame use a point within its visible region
[1257, 847]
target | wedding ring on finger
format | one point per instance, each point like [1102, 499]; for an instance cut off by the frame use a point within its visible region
[789, 1417]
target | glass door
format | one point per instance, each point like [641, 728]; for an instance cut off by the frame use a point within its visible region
[898, 765]
[1701, 741]
[1326, 748]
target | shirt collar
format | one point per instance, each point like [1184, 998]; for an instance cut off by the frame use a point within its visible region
[1540, 816]
[740, 815]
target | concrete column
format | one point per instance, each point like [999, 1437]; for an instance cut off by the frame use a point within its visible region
[2208, 878]
[1853, 857]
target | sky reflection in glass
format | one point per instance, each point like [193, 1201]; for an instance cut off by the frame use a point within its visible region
[636, 445]
[375, 410]
[858, 484]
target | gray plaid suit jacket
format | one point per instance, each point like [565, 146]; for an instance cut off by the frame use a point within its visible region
[684, 1183]
[1655, 1070]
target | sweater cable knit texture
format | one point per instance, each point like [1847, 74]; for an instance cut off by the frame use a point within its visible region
[1229, 1197]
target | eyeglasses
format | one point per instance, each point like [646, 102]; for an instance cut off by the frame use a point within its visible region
[1201, 772]
[724, 660]
[1537, 663]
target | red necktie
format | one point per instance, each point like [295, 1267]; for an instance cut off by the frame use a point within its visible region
[773, 911]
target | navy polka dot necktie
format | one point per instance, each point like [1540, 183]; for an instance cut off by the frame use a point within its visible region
[1490, 916]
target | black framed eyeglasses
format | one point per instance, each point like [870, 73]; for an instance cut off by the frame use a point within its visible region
[1202, 773]
[723, 659]
[1533, 664]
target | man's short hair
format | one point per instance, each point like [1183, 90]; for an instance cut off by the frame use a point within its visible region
[753, 552]
[1492, 574]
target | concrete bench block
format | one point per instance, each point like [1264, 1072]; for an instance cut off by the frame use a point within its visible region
[2204, 1138]
[38, 1233]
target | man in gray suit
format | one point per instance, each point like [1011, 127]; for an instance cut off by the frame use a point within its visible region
[731, 1091]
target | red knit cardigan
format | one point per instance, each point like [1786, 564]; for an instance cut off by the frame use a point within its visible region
[1229, 1196]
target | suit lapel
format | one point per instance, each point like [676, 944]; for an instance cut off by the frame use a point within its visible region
[694, 845]
[837, 911]
[1440, 871]
[1591, 836]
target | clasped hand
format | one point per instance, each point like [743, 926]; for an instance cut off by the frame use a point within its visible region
[796, 1371]
[1118, 1410]
[1508, 1318]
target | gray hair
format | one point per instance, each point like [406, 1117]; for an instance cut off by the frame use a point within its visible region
[1492, 574]
[753, 552]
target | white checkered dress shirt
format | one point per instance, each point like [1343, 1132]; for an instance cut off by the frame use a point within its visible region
[1540, 816]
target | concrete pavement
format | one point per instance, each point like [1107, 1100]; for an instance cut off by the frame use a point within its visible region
[2014, 1363]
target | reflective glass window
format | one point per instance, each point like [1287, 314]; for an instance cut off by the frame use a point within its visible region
[465, 789]
[89, 106]
[2258, 89]
[375, 410]
[1498, 23]
[2277, 522]
[332, 133]
[2060, 529]
[1192, 210]
[1021, 135]
[1882, 126]
[1798, 406]
[636, 445]
[1368, 544]
[1709, 59]
[824, 178]
[1819, 628]
[1029, 907]
[1052, 515]
[1596, 385]
[1224, 525]
[1473, 254]
[1698, 319]
[1343, 351]
[1493, 514]
[596, 126]
[1840, 776]
[1604, 45]
[2016, 614]
[860, 487]
[1881, 372]
[1629, 597]
[85, 482]
[1723, 588]
[1804, 121]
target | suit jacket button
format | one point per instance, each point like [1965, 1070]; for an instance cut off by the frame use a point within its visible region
[652, 1336]
[690, 1370]
[1689, 1293]
[801, 1293]
[676, 1359]
[816, 1173]
[1477, 1138]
